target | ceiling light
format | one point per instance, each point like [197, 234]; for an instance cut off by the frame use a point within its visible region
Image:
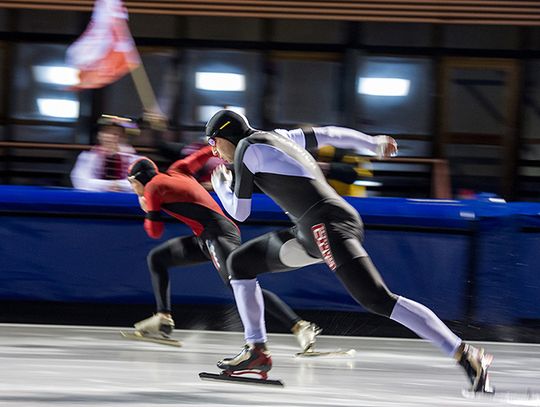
[384, 86]
[219, 81]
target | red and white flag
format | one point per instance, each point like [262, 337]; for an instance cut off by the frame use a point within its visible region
[105, 51]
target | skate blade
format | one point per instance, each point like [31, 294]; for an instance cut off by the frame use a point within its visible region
[237, 379]
[335, 353]
[135, 336]
[522, 398]
[487, 360]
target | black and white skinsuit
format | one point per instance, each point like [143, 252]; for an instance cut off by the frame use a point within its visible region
[326, 228]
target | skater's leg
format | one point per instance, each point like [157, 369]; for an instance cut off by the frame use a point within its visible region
[344, 253]
[276, 307]
[273, 252]
[282, 253]
[366, 285]
[180, 251]
[250, 304]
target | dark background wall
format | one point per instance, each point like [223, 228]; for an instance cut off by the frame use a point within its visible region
[473, 96]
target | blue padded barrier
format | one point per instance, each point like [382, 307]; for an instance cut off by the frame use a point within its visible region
[470, 260]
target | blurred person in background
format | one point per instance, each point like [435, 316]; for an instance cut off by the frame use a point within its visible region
[326, 228]
[215, 236]
[342, 169]
[104, 167]
[155, 128]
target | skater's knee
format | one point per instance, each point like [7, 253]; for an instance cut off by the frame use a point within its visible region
[366, 286]
[240, 267]
[157, 259]
[381, 303]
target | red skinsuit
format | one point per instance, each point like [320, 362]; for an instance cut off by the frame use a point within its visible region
[178, 193]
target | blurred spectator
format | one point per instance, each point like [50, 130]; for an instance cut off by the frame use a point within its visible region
[104, 167]
[173, 151]
[342, 169]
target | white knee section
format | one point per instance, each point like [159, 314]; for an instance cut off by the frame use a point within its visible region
[292, 254]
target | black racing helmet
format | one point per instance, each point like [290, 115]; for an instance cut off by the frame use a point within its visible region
[143, 170]
[229, 125]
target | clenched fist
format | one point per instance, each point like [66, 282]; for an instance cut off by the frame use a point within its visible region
[386, 147]
[222, 177]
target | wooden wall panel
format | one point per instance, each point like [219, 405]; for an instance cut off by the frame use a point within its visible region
[493, 12]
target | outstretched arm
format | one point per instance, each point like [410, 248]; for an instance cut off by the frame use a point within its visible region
[237, 202]
[382, 146]
[193, 162]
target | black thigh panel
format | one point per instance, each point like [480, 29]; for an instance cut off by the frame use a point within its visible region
[218, 245]
[332, 230]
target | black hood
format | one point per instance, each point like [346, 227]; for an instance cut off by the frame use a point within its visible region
[229, 125]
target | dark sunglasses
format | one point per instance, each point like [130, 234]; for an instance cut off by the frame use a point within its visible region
[211, 141]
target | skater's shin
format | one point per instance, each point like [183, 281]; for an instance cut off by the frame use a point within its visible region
[422, 321]
[278, 309]
[250, 304]
[159, 260]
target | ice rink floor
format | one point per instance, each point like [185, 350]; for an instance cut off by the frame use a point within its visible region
[48, 365]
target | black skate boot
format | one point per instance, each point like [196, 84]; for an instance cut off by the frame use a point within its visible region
[252, 359]
[476, 364]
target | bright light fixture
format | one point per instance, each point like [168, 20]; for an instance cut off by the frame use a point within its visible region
[220, 81]
[62, 108]
[205, 112]
[58, 75]
[384, 86]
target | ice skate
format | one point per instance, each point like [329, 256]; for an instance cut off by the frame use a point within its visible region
[312, 353]
[476, 363]
[306, 333]
[157, 324]
[253, 359]
[156, 329]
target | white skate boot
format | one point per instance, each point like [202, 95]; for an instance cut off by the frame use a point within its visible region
[305, 333]
[155, 329]
[157, 324]
[476, 363]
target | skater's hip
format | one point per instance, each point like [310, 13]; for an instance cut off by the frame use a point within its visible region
[328, 230]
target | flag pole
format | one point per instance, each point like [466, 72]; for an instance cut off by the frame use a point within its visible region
[151, 110]
[144, 89]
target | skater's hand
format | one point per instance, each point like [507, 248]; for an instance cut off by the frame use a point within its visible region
[386, 147]
[142, 203]
[222, 177]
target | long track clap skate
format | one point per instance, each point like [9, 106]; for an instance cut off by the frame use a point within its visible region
[306, 333]
[476, 363]
[253, 359]
[155, 329]
[311, 353]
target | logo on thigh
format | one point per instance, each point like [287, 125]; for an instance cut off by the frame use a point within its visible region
[212, 251]
[321, 237]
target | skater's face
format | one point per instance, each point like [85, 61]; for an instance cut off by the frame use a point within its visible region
[136, 186]
[223, 149]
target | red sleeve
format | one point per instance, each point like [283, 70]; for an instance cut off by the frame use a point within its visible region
[193, 162]
[153, 224]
